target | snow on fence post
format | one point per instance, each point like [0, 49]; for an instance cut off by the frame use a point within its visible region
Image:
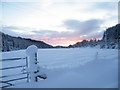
[32, 66]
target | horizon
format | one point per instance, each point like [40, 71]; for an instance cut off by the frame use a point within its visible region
[58, 23]
[50, 44]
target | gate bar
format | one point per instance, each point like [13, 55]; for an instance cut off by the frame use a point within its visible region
[14, 79]
[6, 86]
[12, 59]
[27, 67]
[12, 67]
[13, 75]
[6, 83]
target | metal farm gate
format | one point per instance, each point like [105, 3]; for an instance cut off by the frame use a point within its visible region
[8, 83]
[30, 71]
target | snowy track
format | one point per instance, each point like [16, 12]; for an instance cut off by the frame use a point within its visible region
[74, 68]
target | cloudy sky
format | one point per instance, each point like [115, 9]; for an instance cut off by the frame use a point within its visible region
[58, 22]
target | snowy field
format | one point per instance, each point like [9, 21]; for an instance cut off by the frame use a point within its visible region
[70, 68]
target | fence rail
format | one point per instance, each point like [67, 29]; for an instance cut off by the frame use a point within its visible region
[8, 82]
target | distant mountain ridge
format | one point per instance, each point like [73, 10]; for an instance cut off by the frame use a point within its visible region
[10, 43]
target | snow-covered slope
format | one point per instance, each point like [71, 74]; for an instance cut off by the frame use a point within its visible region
[73, 68]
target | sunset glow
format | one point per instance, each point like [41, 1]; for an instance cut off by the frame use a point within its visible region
[57, 22]
[58, 41]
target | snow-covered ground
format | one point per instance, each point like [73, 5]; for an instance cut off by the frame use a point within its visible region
[71, 68]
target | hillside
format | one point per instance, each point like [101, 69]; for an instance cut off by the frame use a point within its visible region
[10, 43]
[110, 39]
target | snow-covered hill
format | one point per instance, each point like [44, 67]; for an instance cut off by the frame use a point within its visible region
[72, 68]
[10, 43]
[110, 39]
